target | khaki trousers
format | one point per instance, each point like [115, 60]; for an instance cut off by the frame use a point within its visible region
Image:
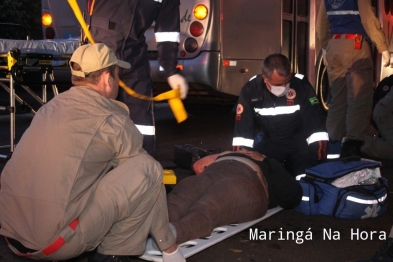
[350, 73]
[128, 204]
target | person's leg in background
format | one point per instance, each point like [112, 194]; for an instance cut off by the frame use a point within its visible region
[350, 76]
[360, 91]
[141, 111]
[359, 99]
[335, 122]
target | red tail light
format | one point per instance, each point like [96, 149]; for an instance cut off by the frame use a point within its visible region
[196, 29]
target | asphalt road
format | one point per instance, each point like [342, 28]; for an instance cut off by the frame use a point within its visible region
[213, 131]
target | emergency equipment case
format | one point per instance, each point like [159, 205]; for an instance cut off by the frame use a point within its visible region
[364, 200]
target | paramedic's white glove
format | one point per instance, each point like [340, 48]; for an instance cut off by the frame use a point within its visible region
[179, 82]
[324, 57]
[386, 58]
[176, 256]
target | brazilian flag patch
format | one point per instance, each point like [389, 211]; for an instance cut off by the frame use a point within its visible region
[313, 100]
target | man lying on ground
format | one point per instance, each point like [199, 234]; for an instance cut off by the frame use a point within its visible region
[230, 187]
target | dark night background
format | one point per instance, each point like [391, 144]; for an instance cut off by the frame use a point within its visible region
[26, 13]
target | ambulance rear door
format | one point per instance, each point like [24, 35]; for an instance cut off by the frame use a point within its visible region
[250, 31]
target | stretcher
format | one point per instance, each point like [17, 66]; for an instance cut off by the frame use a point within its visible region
[192, 247]
[56, 47]
[18, 57]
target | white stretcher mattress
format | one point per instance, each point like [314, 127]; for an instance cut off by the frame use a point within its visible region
[55, 47]
[192, 247]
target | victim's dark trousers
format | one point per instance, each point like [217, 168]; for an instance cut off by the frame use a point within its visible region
[226, 192]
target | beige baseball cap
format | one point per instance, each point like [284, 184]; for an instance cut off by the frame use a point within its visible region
[93, 57]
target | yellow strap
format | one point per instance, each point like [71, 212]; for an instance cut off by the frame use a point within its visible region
[172, 96]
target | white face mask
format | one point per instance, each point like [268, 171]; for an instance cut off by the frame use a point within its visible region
[279, 90]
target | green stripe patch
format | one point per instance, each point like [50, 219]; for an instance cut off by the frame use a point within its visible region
[313, 100]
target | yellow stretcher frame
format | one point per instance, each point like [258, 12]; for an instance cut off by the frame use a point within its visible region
[12, 58]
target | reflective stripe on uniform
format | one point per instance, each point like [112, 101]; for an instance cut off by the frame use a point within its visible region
[344, 12]
[298, 177]
[279, 110]
[300, 76]
[241, 141]
[332, 156]
[167, 37]
[252, 78]
[146, 130]
[59, 242]
[319, 136]
[53, 247]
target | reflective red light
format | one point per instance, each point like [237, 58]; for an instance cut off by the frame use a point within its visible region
[196, 29]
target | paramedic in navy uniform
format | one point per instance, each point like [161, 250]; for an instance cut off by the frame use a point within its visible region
[285, 107]
[345, 29]
[121, 24]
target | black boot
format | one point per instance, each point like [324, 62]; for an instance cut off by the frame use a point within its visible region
[351, 148]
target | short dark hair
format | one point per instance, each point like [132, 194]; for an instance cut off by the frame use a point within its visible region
[277, 62]
[92, 77]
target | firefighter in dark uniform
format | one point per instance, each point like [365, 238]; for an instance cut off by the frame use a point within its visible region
[288, 113]
[345, 29]
[121, 25]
